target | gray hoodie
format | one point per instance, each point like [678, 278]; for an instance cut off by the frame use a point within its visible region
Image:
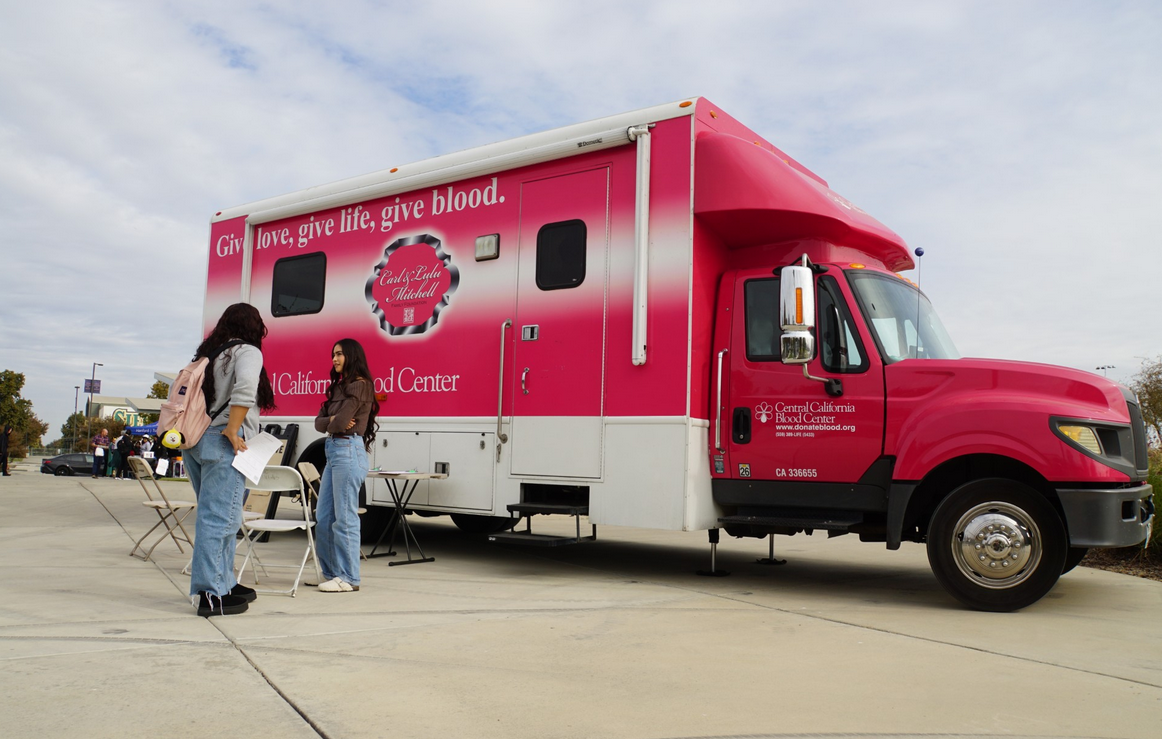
[236, 373]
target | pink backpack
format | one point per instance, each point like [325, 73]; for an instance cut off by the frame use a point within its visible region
[185, 410]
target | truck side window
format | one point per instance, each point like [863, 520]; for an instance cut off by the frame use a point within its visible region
[561, 255]
[297, 285]
[839, 345]
[762, 320]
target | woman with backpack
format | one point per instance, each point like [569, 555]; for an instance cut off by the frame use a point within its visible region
[235, 387]
[347, 416]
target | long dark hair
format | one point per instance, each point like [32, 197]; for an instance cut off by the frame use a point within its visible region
[354, 367]
[239, 321]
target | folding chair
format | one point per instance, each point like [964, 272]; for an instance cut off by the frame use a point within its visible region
[280, 479]
[175, 511]
[311, 476]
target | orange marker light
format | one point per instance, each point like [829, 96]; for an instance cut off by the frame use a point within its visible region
[713, 114]
[799, 306]
[686, 104]
[857, 265]
[394, 170]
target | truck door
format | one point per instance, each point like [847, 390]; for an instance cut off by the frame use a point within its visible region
[783, 426]
[560, 325]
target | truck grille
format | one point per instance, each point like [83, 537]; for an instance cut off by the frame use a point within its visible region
[1141, 461]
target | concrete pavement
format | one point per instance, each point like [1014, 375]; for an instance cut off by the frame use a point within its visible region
[614, 638]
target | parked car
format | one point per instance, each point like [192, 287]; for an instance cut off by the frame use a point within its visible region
[68, 464]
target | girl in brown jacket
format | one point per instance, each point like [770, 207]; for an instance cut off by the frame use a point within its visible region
[348, 417]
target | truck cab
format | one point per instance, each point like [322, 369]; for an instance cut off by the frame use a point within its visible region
[841, 404]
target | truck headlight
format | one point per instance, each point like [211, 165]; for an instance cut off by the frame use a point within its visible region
[1084, 436]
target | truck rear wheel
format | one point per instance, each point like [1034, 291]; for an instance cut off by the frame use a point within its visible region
[472, 524]
[996, 545]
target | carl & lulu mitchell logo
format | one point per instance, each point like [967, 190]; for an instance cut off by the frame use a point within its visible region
[411, 285]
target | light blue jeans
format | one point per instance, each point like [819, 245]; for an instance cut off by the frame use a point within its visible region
[337, 515]
[219, 488]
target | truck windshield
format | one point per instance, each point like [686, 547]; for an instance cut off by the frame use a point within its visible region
[902, 319]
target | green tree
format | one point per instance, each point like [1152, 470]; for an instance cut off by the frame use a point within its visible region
[1147, 383]
[73, 437]
[17, 411]
[160, 390]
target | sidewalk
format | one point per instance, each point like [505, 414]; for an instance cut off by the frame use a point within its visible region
[615, 638]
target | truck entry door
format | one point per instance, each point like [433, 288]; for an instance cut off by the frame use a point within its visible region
[560, 325]
[782, 426]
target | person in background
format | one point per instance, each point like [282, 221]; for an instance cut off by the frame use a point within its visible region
[99, 445]
[5, 437]
[348, 416]
[169, 455]
[145, 449]
[236, 386]
[113, 456]
[125, 451]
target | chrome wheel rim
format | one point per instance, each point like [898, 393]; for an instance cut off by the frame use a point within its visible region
[997, 545]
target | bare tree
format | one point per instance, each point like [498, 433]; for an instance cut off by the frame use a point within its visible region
[1147, 383]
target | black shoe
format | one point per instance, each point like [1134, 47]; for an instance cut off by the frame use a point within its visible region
[243, 592]
[225, 605]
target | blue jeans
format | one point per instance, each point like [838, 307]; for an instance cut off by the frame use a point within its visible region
[99, 464]
[337, 515]
[218, 488]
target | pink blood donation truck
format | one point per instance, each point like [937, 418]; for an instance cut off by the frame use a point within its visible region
[661, 320]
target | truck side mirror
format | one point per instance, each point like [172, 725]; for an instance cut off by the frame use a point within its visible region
[797, 315]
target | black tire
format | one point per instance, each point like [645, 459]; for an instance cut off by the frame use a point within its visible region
[1073, 558]
[62, 472]
[472, 524]
[374, 522]
[1019, 551]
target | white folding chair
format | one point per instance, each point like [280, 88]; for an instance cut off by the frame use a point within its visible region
[170, 513]
[280, 479]
[311, 477]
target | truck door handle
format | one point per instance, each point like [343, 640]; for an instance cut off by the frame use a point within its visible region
[523, 375]
[741, 427]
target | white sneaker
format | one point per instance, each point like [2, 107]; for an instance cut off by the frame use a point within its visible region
[336, 585]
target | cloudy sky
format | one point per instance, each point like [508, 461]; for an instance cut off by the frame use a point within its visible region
[1019, 143]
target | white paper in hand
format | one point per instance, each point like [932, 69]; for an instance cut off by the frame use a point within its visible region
[258, 452]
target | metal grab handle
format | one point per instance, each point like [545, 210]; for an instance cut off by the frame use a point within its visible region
[718, 422]
[501, 437]
[523, 375]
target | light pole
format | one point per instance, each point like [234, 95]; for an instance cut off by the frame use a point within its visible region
[89, 410]
[1105, 367]
[76, 400]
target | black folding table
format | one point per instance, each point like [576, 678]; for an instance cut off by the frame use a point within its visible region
[400, 496]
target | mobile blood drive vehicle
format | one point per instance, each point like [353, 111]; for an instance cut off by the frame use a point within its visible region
[659, 319]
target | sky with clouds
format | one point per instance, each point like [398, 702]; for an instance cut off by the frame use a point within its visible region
[1017, 142]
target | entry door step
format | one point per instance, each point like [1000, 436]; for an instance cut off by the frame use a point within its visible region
[529, 510]
[538, 540]
[548, 509]
[838, 521]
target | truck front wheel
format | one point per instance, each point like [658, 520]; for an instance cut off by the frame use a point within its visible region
[996, 545]
[1073, 559]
